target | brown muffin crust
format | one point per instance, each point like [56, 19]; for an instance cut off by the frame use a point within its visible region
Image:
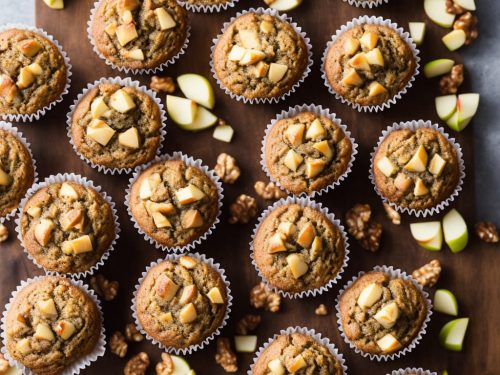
[73, 308]
[46, 86]
[160, 312]
[279, 144]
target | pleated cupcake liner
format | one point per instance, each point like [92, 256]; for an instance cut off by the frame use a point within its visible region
[80, 363]
[78, 179]
[319, 111]
[124, 82]
[297, 29]
[414, 125]
[372, 21]
[190, 161]
[366, 3]
[30, 117]
[393, 273]
[195, 347]
[208, 8]
[304, 202]
[413, 370]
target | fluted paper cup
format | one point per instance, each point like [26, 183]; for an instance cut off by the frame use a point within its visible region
[366, 3]
[208, 8]
[414, 370]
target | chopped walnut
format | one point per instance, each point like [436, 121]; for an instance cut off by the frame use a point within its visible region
[392, 214]
[137, 365]
[166, 366]
[454, 8]
[321, 310]
[132, 333]
[468, 23]
[263, 297]
[159, 84]
[268, 191]
[227, 169]
[118, 345]
[225, 356]
[4, 233]
[243, 210]
[450, 83]
[362, 228]
[4, 365]
[428, 274]
[103, 287]
[247, 324]
[487, 231]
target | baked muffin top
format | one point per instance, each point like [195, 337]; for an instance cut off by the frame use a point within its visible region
[116, 126]
[297, 354]
[298, 248]
[139, 34]
[66, 227]
[416, 169]
[369, 64]
[380, 314]
[32, 72]
[260, 56]
[307, 152]
[50, 324]
[180, 303]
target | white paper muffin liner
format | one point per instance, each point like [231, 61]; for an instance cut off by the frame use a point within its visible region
[69, 177]
[30, 117]
[366, 3]
[413, 125]
[192, 348]
[372, 21]
[125, 82]
[393, 273]
[282, 17]
[7, 126]
[79, 364]
[207, 8]
[414, 370]
[177, 155]
[124, 69]
[304, 202]
[319, 111]
[322, 340]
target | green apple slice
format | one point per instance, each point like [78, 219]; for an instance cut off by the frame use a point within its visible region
[197, 88]
[457, 124]
[466, 4]
[455, 231]
[181, 367]
[435, 244]
[203, 120]
[436, 11]
[444, 372]
[181, 110]
[285, 5]
[223, 133]
[417, 32]
[428, 235]
[55, 4]
[454, 39]
[467, 105]
[245, 344]
[452, 334]
[445, 302]
[438, 67]
[446, 106]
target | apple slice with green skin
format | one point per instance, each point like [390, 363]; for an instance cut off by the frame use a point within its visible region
[417, 32]
[181, 110]
[454, 39]
[466, 4]
[55, 4]
[435, 244]
[285, 5]
[452, 334]
[467, 105]
[444, 372]
[455, 231]
[446, 106]
[438, 67]
[436, 11]
[455, 123]
[181, 367]
[197, 88]
[245, 344]
[428, 235]
[445, 302]
[204, 119]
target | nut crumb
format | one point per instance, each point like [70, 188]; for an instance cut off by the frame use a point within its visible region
[362, 228]
[392, 214]
[268, 191]
[468, 23]
[454, 8]
[487, 231]
[247, 324]
[450, 83]
[227, 169]
[166, 366]
[137, 365]
[4, 233]
[428, 274]
[225, 356]
[321, 310]
[118, 345]
[165, 84]
[132, 333]
[243, 209]
[263, 297]
[103, 287]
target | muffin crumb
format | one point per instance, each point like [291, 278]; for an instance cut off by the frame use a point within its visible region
[321, 310]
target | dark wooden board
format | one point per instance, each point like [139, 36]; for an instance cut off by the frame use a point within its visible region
[472, 275]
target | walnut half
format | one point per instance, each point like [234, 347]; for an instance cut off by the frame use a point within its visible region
[362, 228]
[227, 169]
[428, 274]
[118, 345]
[263, 297]
[166, 366]
[137, 365]
[103, 287]
[487, 231]
[468, 23]
[160, 84]
[247, 324]
[243, 209]
[450, 83]
[4, 233]
[225, 356]
[268, 191]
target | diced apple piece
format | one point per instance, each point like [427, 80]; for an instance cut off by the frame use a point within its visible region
[100, 132]
[351, 46]
[166, 318]
[402, 182]
[223, 133]
[420, 188]
[375, 57]
[166, 288]
[98, 107]
[121, 101]
[192, 219]
[43, 230]
[34, 211]
[315, 131]
[188, 262]
[293, 160]
[25, 78]
[43, 332]
[297, 266]
[55, 4]
[376, 89]
[425, 232]
[285, 5]
[189, 194]
[134, 54]
[145, 190]
[64, 329]
[314, 167]
[67, 192]
[388, 343]
[436, 11]
[215, 296]
[183, 111]
[127, 16]
[245, 344]
[306, 236]
[418, 162]
[71, 218]
[386, 166]
[445, 302]
[370, 295]
[126, 33]
[352, 78]
[369, 40]
[276, 244]
[455, 231]
[324, 148]
[197, 88]
[277, 72]
[388, 315]
[8, 88]
[129, 138]
[287, 228]
[446, 106]
[454, 39]
[452, 334]
[110, 29]
[188, 314]
[23, 346]
[29, 48]
[437, 165]
[162, 207]
[5, 179]
[276, 367]
[160, 220]
[359, 62]
[438, 67]
[249, 39]
[236, 53]
[297, 363]
[47, 308]
[81, 244]
[124, 5]
[188, 294]
[295, 134]
[417, 32]
[266, 27]
[164, 19]
[316, 245]
[466, 4]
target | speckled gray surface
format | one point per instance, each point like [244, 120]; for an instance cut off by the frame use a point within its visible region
[483, 65]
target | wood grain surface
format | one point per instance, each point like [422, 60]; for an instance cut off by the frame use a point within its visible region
[472, 275]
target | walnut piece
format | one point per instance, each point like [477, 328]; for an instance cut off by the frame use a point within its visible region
[103, 287]
[225, 356]
[227, 169]
[4, 233]
[450, 83]
[4, 365]
[165, 84]
[428, 274]
[321, 310]
[166, 366]
[268, 191]
[247, 324]
[132, 333]
[118, 345]
[454, 8]
[362, 228]
[487, 231]
[137, 365]
[392, 214]
[243, 209]
[468, 23]
[263, 297]
[269, 2]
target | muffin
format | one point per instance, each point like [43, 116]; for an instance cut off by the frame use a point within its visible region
[116, 126]
[297, 353]
[33, 72]
[416, 169]
[369, 64]
[173, 203]
[181, 302]
[260, 56]
[51, 324]
[67, 227]
[297, 248]
[17, 172]
[380, 314]
[139, 34]
[307, 152]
